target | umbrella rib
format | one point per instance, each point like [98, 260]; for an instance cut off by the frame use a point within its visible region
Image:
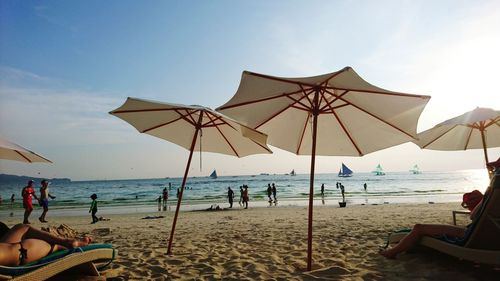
[26, 158]
[298, 101]
[223, 136]
[161, 125]
[492, 122]
[258, 100]
[380, 119]
[145, 110]
[380, 92]
[335, 74]
[285, 80]
[438, 137]
[345, 131]
[277, 113]
[336, 98]
[190, 120]
[302, 135]
[469, 137]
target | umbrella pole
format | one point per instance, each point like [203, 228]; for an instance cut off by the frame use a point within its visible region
[485, 153]
[169, 249]
[311, 184]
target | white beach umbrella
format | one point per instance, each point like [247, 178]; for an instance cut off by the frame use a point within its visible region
[193, 127]
[476, 129]
[332, 114]
[12, 151]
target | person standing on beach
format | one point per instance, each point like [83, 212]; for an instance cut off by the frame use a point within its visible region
[322, 190]
[274, 193]
[245, 196]
[342, 191]
[27, 194]
[93, 208]
[269, 192]
[159, 203]
[165, 198]
[241, 195]
[365, 186]
[230, 196]
[12, 199]
[44, 199]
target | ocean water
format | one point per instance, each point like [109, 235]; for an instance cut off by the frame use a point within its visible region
[141, 194]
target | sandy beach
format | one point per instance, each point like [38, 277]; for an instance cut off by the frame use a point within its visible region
[270, 244]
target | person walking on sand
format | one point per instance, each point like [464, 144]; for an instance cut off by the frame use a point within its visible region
[342, 190]
[93, 208]
[230, 196]
[365, 186]
[274, 193]
[322, 190]
[165, 198]
[44, 199]
[159, 203]
[245, 196]
[269, 192]
[27, 194]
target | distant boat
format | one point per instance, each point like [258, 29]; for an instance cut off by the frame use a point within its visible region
[378, 171]
[415, 170]
[213, 175]
[345, 172]
[292, 173]
[264, 174]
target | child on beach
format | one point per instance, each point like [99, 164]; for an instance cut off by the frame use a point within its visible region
[93, 208]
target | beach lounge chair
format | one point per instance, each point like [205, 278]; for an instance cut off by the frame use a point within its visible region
[482, 242]
[87, 260]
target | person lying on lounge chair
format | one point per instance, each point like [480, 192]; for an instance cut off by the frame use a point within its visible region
[436, 230]
[22, 244]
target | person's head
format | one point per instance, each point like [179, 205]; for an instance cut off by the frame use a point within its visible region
[228, 188]
[93, 196]
[31, 182]
[3, 229]
[45, 183]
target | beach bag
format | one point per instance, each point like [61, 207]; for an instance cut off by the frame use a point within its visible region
[471, 199]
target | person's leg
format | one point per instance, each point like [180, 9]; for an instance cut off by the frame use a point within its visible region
[27, 214]
[420, 230]
[44, 213]
[94, 217]
[21, 232]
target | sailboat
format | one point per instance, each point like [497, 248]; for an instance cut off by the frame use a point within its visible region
[415, 170]
[345, 172]
[378, 171]
[292, 173]
[213, 175]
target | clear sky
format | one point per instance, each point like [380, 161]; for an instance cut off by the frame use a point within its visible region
[65, 64]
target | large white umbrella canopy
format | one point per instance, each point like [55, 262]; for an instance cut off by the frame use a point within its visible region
[12, 151]
[476, 129]
[193, 127]
[331, 114]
